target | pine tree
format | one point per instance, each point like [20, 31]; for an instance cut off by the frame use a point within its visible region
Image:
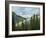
[13, 23]
[22, 25]
[37, 23]
[34, 23]
[30, 23]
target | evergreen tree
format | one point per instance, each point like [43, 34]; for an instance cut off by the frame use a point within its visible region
[13, 23]
[30, 23]
[22, 25]
[35, 23]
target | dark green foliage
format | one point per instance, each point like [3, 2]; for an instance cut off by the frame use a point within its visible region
[35, 23]
[16, 19]
[22, 25]
[13, 23]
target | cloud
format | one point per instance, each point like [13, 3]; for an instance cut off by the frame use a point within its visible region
[25, 11]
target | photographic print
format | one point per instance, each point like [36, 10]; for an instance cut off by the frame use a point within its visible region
[25, 19]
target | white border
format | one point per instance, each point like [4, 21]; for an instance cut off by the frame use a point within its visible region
[25, 32]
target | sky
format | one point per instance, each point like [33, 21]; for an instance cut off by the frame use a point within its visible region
[25, 12]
